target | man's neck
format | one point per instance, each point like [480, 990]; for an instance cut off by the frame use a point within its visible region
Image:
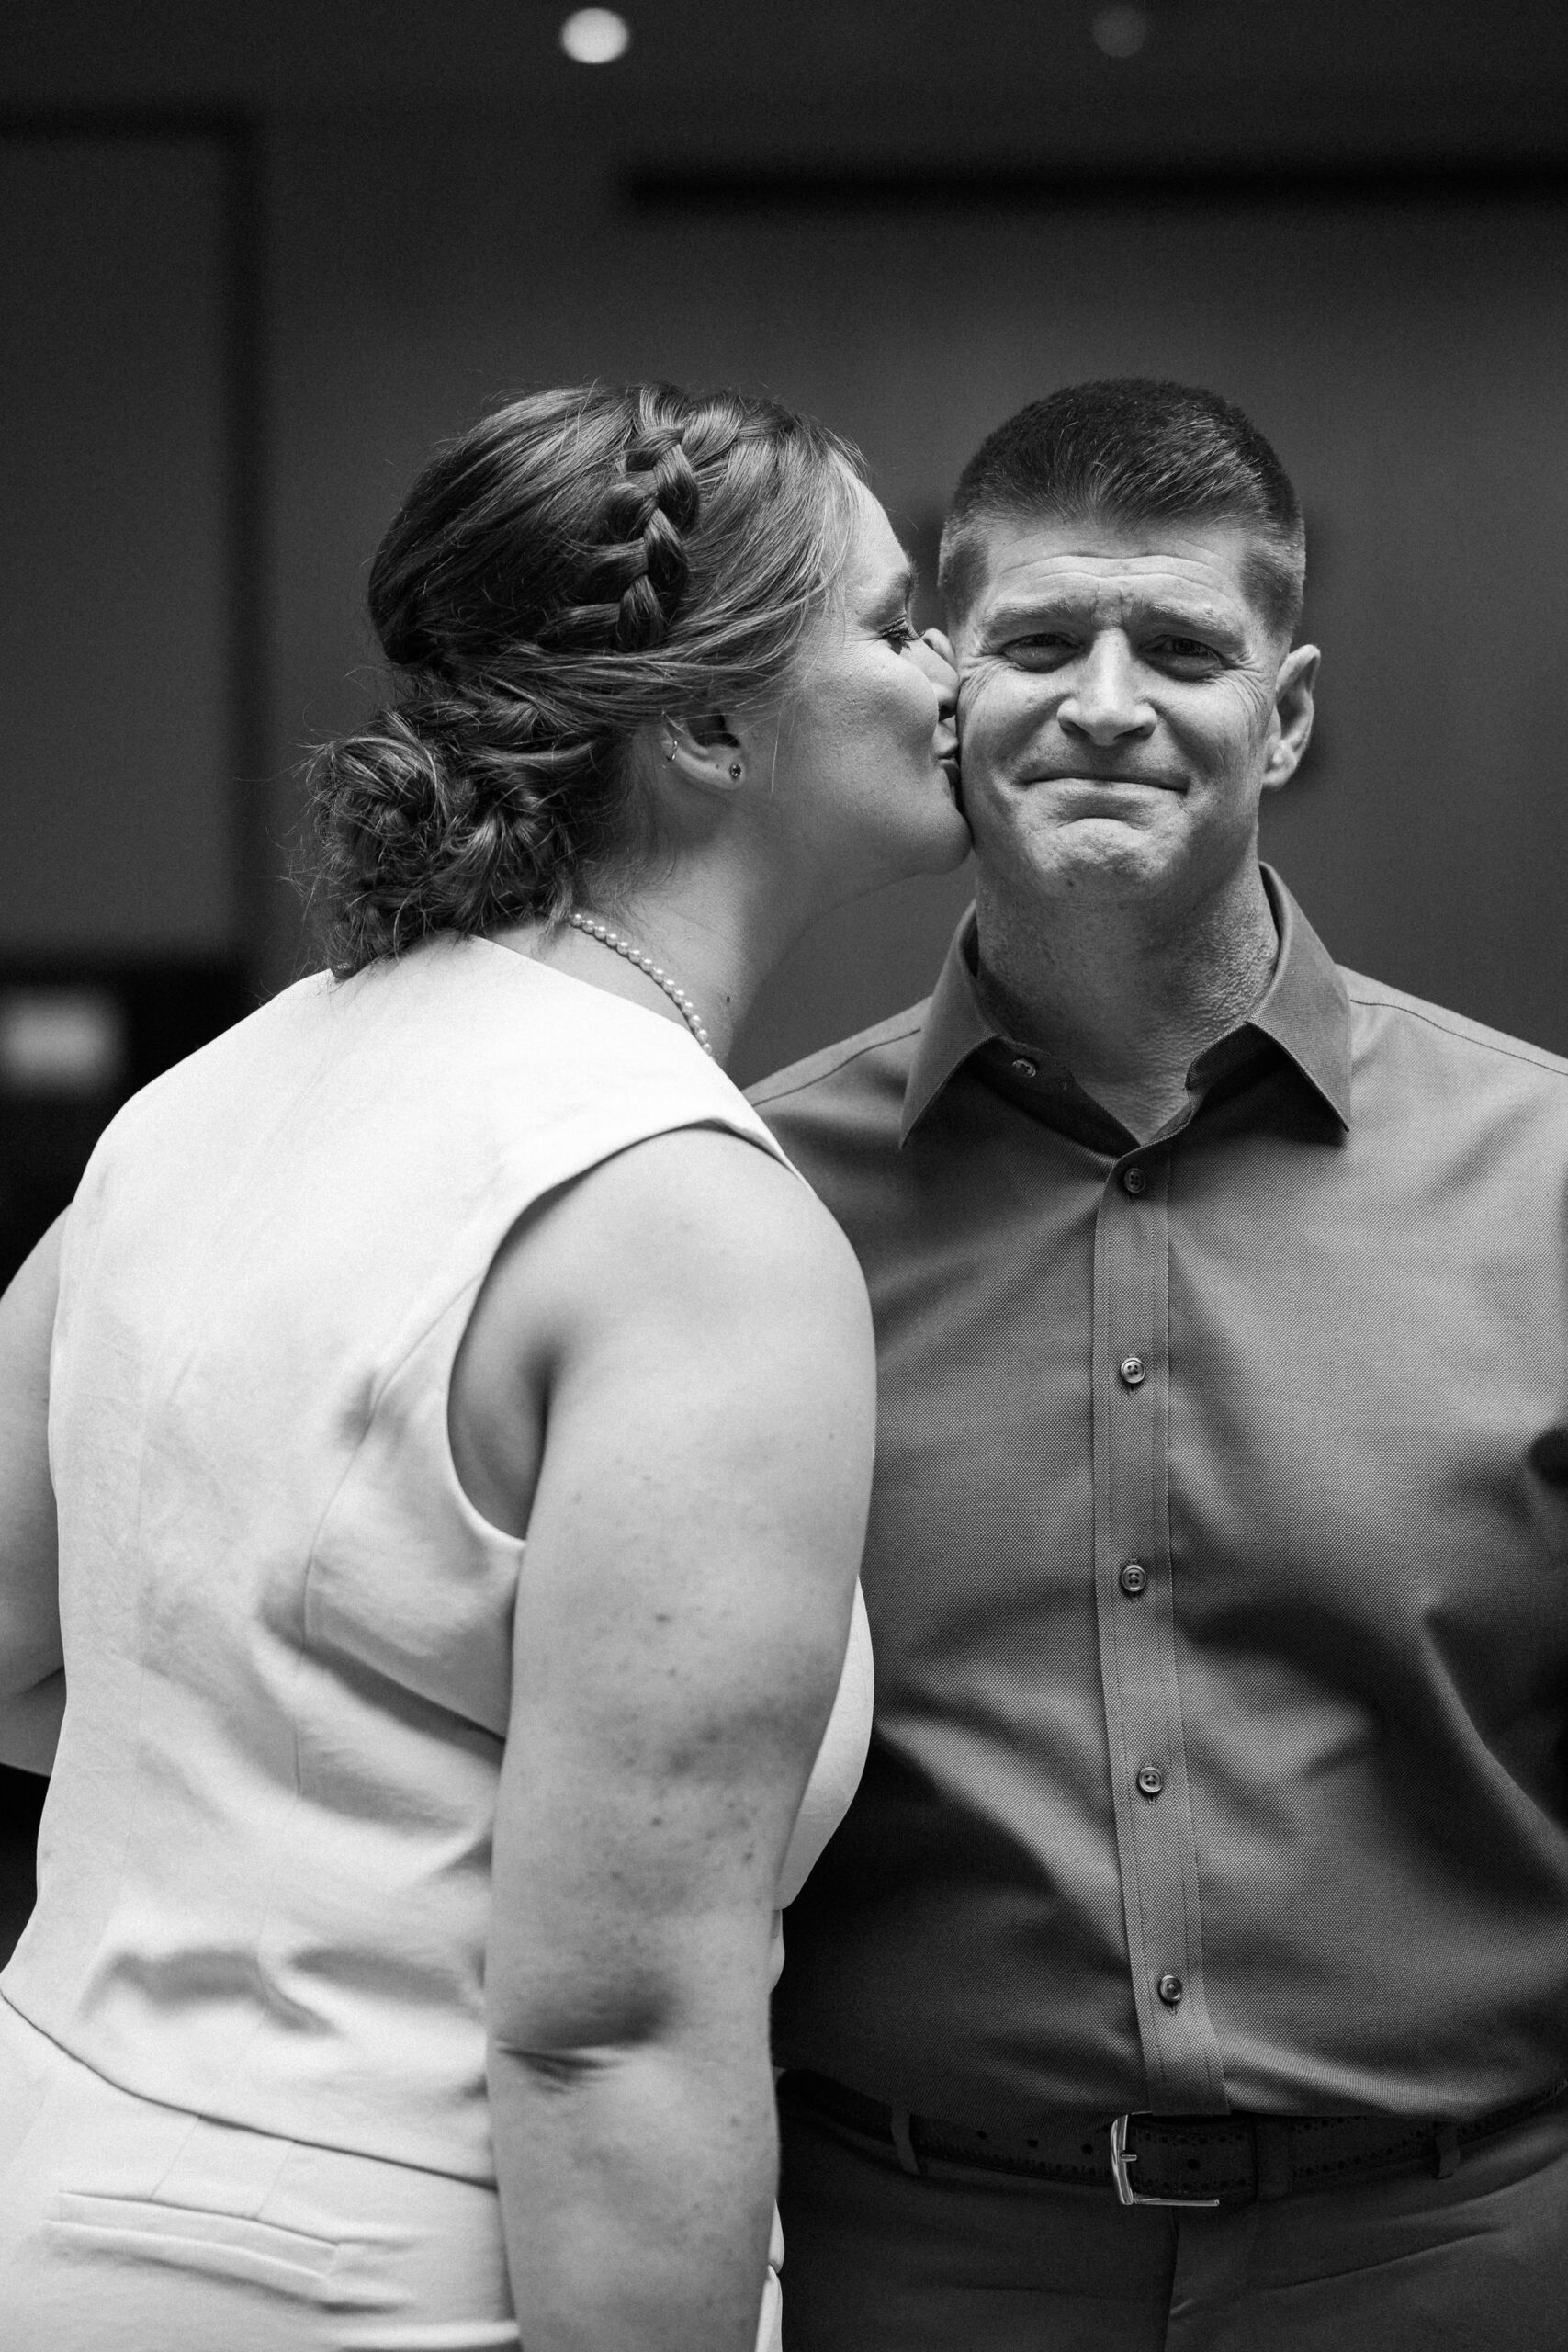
[1126, 994]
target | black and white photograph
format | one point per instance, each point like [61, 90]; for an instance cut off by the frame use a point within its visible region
[783, 1176]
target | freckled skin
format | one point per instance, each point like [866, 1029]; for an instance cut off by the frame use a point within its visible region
[1124, 705]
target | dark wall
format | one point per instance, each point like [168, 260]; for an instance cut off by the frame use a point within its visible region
[1407, 357]
[115, 514]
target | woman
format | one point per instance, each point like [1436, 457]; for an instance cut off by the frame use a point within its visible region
[408, 1909]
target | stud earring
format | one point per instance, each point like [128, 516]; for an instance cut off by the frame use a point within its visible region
[735, 771]
[671, 754]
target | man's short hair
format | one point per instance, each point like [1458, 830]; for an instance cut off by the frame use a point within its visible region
[1132, 449]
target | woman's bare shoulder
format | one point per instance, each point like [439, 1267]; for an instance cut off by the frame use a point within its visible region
[700, 1211]
[694, 1254]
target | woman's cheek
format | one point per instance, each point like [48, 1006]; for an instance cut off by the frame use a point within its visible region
[908, 695]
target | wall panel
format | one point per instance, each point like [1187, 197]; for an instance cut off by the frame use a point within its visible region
[117, 467]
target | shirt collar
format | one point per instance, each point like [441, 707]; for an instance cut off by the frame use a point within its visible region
[1304, 1009]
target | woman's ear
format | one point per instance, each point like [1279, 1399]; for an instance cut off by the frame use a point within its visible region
[702, 752]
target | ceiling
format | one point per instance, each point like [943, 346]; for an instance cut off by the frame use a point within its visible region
[942, 87]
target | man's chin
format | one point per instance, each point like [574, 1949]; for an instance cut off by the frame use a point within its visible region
[1141, 832]
[1098, 855]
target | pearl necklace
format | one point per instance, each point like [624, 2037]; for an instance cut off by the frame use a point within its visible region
[678, 997]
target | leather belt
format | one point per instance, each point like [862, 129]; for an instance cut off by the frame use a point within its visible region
[1194, 2160]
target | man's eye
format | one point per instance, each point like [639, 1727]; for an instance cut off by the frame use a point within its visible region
[1045, 645]
[1184, 648]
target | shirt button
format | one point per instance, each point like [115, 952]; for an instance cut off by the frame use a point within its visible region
[1024, 1068]
[1151, 1780]
[1170, 1989]
[1134, 1577]
[1134, 1181]
[1132, 1371]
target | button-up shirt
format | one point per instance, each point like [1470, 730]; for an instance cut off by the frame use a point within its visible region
[1217, 1567]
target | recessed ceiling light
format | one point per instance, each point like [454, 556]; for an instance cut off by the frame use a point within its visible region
[1121, 31]
[597, 36]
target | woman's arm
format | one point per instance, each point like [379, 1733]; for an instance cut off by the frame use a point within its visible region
[697, 1332]
[32, 1687]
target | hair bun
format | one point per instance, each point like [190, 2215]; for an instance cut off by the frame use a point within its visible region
[379, 797]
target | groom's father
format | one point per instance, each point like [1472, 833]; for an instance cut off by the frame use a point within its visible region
[1192, 1970]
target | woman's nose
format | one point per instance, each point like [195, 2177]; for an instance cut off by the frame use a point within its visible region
[934, 654]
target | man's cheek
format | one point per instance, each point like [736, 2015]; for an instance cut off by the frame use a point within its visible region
[998, 719]
[981, 688]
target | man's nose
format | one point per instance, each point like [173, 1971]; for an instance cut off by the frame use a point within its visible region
[1105, 702]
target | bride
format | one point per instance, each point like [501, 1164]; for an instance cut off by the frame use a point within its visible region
[435, 1450]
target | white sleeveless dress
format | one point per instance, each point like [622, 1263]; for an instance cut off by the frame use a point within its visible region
[241, 2046]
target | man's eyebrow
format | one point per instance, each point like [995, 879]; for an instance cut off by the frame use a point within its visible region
[1048, 604]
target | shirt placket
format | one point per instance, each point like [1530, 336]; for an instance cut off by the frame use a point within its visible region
[1137, 1636]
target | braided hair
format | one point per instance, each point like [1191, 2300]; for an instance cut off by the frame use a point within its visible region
[579, 566]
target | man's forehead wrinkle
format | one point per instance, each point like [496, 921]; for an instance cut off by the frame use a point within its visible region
[1114, 537]
[1118, 599]
[1208, 563]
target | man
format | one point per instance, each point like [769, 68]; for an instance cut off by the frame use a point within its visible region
[1217, 1560]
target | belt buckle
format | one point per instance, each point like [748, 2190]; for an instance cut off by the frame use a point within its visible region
[1120, 2163]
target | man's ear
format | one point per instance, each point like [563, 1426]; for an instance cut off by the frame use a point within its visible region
[702, 750]
[1290, 724]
